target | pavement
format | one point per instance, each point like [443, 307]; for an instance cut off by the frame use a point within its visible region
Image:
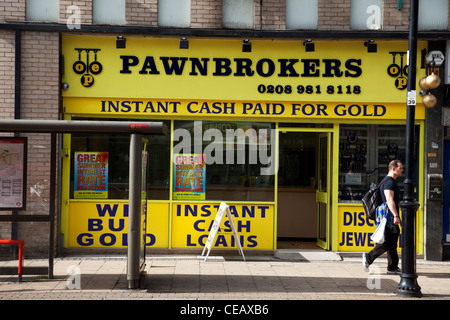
[289, 275]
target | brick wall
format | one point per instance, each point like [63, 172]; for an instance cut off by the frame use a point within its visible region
[273, 14]
[39, 100]
[40, 75]
[12, 10]
[394, 19]
[7, 73]
[334, 15]
[206, 14]
[142, 12]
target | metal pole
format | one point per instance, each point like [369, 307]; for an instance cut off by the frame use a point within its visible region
[52, 205]
[134, 211]
[408, 285]
[78, 126]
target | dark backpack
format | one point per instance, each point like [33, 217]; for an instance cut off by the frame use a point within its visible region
[371, 200]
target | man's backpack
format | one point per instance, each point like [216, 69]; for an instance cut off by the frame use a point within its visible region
[371, 200]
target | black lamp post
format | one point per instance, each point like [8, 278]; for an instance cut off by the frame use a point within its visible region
[408, 285]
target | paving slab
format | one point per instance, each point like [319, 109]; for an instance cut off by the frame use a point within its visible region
[314, 276]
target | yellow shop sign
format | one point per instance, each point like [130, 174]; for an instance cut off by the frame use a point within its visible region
[217, 70]
[237, 109]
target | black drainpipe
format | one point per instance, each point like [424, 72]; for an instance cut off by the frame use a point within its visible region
[260, 14]
[17, 74]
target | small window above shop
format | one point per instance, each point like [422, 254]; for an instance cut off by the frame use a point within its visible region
[174, 13]
[433, 15]
[108, 12]
[42, 10]
[238, 14]
[302, 14]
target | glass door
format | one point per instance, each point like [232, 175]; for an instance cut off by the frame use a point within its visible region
[323, 190]
[304, 186]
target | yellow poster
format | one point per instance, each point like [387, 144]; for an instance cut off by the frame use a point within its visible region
[192, 223]
[354, 229]
[104, 224]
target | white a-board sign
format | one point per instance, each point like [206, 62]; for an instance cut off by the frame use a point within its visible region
[223, 209]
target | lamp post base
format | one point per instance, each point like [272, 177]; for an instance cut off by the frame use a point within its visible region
[408, 286]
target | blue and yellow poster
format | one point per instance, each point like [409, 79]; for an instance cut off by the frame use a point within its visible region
[189, 176]
[91, 175]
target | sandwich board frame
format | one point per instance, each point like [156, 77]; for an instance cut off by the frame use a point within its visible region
[223, 209]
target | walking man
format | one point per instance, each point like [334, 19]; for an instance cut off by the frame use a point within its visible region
[390, 194]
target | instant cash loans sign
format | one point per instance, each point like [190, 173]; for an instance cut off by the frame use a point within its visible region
[278, 79]
[192, 223]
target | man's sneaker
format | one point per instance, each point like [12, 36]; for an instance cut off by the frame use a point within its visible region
[397, 271]
[365, 263]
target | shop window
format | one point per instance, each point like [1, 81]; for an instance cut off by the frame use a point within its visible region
[42, 10]
[239, 158]
[364, 154]
[117, 147]
[108, 12]
[238, 14]
[366, 14]
[433, 15]
[174, 13]
[301, 14]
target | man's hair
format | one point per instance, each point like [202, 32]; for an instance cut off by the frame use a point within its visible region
[394, 164]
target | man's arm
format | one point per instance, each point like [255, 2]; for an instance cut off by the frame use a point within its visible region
[389, 195]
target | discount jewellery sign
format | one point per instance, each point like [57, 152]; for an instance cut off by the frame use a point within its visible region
[152, 76]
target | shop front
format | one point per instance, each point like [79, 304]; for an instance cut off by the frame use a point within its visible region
[289, 139]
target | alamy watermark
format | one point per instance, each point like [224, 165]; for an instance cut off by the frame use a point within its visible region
[374, 280]
[373, 21]
[74, 19]
[261, 146]
[74, 280]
